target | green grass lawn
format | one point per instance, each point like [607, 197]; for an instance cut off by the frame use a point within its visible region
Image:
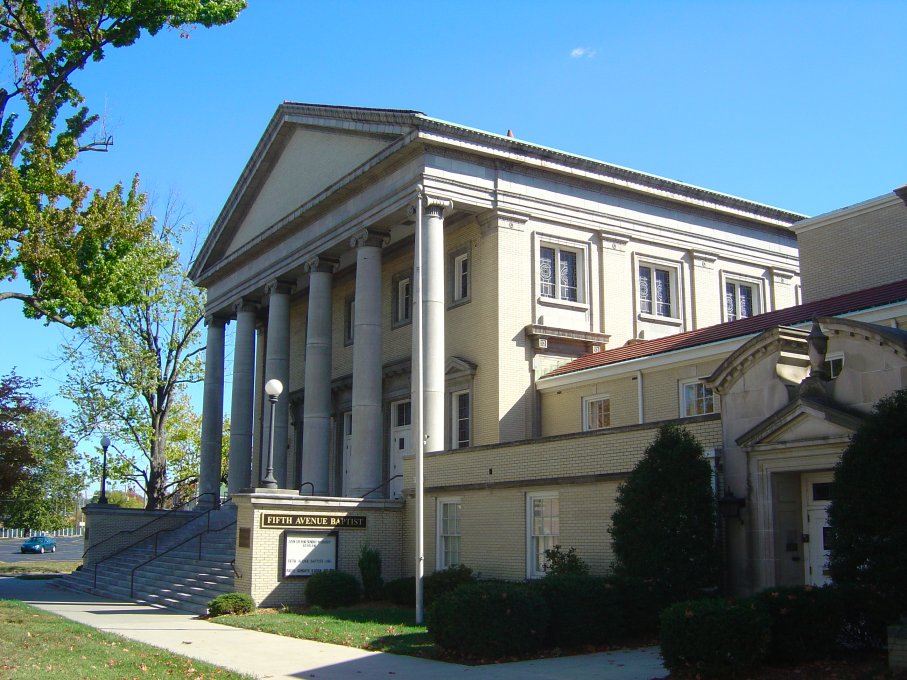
[35, 644]
[389, 629]
[38, 567]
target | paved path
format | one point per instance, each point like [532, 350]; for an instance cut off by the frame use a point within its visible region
[263, 655]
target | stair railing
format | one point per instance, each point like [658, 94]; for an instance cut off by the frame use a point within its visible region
[200, 535]
[385, 483]
[169, 513]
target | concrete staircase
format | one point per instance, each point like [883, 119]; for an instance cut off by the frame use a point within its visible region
[188, 567]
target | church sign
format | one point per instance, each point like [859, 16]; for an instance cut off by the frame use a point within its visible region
[307, 553]
[270, 520]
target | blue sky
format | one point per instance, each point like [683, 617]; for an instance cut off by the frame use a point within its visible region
[800, 105]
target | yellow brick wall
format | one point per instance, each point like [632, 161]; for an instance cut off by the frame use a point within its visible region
[562, 411]
[661, 389]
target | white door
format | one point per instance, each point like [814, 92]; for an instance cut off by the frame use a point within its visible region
[347, 449]
[401, 430]
[816, 499]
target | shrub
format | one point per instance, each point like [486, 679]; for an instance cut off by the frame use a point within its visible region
[445, 581]
[489, 620]
[370, 569]
[664, 525]
[401, 591]
[866, 614]
[332, 589]
[559, 562]
[805, 622]
[868, 504]
[231, 603]
[640, 601]
[714, 638]
[583, 610]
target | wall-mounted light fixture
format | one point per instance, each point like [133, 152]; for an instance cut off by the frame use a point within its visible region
[729, 506]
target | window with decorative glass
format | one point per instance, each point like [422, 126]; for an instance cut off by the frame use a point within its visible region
[460, 425]
[696, 399]
[596, 412]
[448, 533]
[741, 300]
[560, 273]
[543, 521]
[656, 291]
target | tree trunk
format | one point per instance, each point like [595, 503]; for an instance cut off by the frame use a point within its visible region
[157, 475]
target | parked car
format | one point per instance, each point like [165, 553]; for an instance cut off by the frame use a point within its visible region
[39, 544]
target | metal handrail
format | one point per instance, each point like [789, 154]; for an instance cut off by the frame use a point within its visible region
[198, 535]
[385, 483]
[144, 538]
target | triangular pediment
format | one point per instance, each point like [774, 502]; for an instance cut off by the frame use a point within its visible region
[802, 421]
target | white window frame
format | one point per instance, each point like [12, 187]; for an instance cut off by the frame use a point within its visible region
[833, 359]
[693, 382]
[675, 315]
[587, 403]
[402, 299]
[461, 282]
[579, 251]
[535, 549]
[441, 561]
[455, 419]
[735, 280]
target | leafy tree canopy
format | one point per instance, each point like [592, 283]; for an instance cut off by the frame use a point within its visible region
[869, 506]
[67, 241]
[16, 403]
[664, 526]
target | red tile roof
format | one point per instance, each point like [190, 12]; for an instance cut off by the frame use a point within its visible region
[833, 306]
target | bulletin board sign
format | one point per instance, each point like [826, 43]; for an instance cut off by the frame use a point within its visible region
[307, 553]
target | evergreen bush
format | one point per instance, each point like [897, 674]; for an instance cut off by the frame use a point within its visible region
[401, 591]
[231, 603]
[370, 570]
[332, 589]
[868, 504]
[445, 581]
[806, 622]
[489, 620]
[640, 601]
[583, 609]
[714, 638]
[557, 561]
[664, 526]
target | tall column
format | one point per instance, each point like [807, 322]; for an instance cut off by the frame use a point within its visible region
[368, 436]
[316, 416]
[212, 414]
[433, 321]
[240, 459]
[277, 365]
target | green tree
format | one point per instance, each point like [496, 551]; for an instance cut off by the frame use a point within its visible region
[47, 495]
[869, 506]
[16, 403]
[69, 243]
[129, 371]
[664, 526]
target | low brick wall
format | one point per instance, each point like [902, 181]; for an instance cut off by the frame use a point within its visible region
[261, 542]
[110, 528]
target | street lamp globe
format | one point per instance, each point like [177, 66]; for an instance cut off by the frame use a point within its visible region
[273, 387]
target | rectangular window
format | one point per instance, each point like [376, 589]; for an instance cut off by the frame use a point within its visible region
[834, 364]
[460, 420]
[596, 412]
[403, 299]
[543, 523]
[696, 399]
[741, 300]
[657, 294]
[560, 273]
[461, 277]
[448, 533]
[349, 320]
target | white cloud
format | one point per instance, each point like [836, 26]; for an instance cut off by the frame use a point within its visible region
[580, 52]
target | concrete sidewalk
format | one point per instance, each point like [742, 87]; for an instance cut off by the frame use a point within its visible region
[263, 655]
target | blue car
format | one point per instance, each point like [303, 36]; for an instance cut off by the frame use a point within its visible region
[39, 544]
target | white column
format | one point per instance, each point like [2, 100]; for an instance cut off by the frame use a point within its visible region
[316, 417]
[368, 433]
[212, 414]
[242, 402]
[277, 365]
[433, 321]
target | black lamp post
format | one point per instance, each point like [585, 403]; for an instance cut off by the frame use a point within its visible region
[273, 388]
[105, 444]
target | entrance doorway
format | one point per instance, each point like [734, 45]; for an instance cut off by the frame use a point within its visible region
[401, 431]
[817, 534]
